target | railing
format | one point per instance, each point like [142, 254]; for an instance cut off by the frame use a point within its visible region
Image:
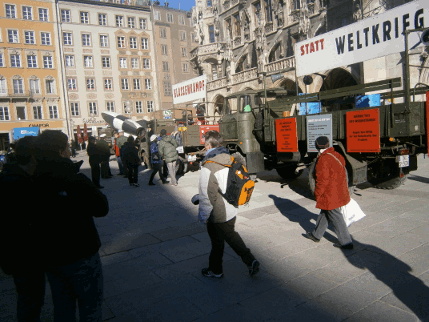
[279, 65]
[217, 83]
[23, 95]
[208, 49]
[245, 76]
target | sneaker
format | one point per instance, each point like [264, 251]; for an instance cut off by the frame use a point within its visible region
[309, 235]
[208, 273]
[254, 268]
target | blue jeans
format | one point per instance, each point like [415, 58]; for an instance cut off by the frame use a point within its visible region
[78, 283]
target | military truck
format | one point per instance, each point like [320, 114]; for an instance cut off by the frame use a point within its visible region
[380, 143]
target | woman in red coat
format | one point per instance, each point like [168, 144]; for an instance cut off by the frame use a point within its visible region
[331, 193]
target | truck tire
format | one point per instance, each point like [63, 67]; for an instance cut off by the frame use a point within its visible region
[288, 172]
[391, 184]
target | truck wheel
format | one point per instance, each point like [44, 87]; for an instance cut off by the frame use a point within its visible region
[288, 172]
[391, 184]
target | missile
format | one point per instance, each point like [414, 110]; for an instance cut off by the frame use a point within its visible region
[121, 122]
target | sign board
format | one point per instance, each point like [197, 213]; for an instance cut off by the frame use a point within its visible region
[377, 36]
[318, 125]
[363, 131]
[190, 90]
[286, 135]
[20, 132]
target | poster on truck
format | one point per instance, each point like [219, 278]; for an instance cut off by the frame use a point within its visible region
[318, 125]
[286, 135]
[363, 131]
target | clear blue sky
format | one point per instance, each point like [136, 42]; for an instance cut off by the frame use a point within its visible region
[180, 4]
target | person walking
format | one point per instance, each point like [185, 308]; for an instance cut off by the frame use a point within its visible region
[130, 158]
[216, 212]
[67, 236]
[155, 160]
[95, 159]
[104, 149]
[120, 141]
[331, 192]
[167, 150]
[118, 154]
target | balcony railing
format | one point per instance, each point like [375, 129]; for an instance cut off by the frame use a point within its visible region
[280, 65]
[217, 84]
[245, 76]
[208, 49]
[13, 95]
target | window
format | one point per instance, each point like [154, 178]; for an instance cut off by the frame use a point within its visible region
[29, 37]
[165, 66]
[65, 15]
[50, 86]
[10, 11]
[133, 42]
[110, 106]
[37, 112]
[27, 13]
[88, 62]
[4, 113]
[184, 52]
[143, 23]
[134, 63]
[84, 17]
[18, 86]
[131, 22]
[53, 112]
[20, 113]
[124, 84]
[15, 60]
[34, 86]
[136, 84]
[119, 21]
[108, 84]
[3, 86]
[86, 39]
[164, 49]
[123, 62]
[185, 67]
[169, 17]
[46, 38]
[181, 20]
[148, 83]
[149, 106]
[90, 84]
[69, 61]
[74, 109]
[48, 62]
[105, 61]
[268, 11]
[1, 60]
[145, 43]
[146, 63]
[156, 15]
[32, 61]
[12, 36]
[104, 41]
[72, 84]
[102, 19]
[162, 32]
[67, 38]
[182, 35]
[121, 41]
[167, 88]
[43, 14]
[139, 107]
[93, 108]
[212, 38]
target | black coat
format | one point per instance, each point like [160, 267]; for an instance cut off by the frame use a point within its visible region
[130, 154]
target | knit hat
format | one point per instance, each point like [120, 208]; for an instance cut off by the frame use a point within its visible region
[163, 132]
[153, 137]
[322, 142]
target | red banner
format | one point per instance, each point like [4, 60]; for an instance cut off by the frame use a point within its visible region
[363, 130]
[286, 135]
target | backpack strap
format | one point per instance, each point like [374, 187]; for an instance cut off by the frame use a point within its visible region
[225, 165]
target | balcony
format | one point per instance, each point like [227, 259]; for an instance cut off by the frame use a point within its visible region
[217, 84]
[245, 76]
[280, 65]
[210, 49]
[10, 95]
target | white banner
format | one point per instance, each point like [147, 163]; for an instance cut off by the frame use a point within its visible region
[370, 38]
[190, 90]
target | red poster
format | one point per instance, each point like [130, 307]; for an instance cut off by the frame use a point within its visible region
[206, 128]
[286, 135]
[427, 121]
[363, 131]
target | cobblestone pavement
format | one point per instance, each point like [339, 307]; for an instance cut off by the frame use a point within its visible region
[154, 248]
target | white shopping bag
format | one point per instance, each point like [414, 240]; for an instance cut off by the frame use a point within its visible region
[352, 212]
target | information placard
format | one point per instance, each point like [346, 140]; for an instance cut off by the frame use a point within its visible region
[363, 130]
[318, 125]
[286, 135]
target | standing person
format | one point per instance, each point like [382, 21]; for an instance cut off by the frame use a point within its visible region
[19, 251]
[120, 141]
[155, 160]
[331, 192]
[104, 149]
[130, 158]
[69, 241]
[95, 159]
[167, 149]
[118, 154]
[216, 212]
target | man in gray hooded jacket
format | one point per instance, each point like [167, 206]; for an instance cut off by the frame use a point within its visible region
[167, 150]
[216, 212]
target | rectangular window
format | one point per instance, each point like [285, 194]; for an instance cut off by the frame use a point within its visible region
[146, 63]
[136, 84]
[108, 84]
[156, 15]
[105, 62]
[72, 84]
[69, 61]
[131, 22]
[10, 11]
[102, 19]
[123, 62]
[15, 60]
[134, 63]
[86, 39]
[185, 67]
[3, 86]
[74, 109]
[182, 35]
[90, 84]
[143, 23]
[27, 13]
[212, 38]
[164, 50]
[184, 52]
[165, 66]
[1, 60]
[119, 21]
[93, 108]
[43, 14]
[104, 41]
[46, 38]
[181, 20]
[121, 41]
[124, 84]
[88, 61]
[32, 61]
[50, 86]
[148, 83]
[162, 32]
[84, 17]
[169, 17]
[37, 112]
[4, 113]
[133, 42]
[65, 15]
[167, 88]
[145, 43]
[110, 106]
[18, 86]
[12, 36]
[53, 112]
[67, 38]
[149, 106]
[34, 86]
[29, 37]
[20, 113]
[48, 62]
[139, 107]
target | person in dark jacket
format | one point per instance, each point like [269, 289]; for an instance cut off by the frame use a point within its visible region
[67, 235]
[130, 158]
[155, 160]
[95, 159]
[104, 149]
[167, 149]
[18, 240]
